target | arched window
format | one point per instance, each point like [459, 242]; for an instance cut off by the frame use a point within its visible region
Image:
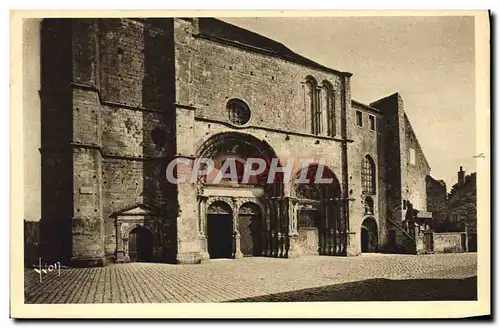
[324, 98]
[238, 111]
[312, 104]
[328, 103]
[368, 175]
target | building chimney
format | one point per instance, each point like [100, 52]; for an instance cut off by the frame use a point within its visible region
[461, 176]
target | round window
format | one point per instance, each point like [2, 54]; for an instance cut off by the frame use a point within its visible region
[238, 111]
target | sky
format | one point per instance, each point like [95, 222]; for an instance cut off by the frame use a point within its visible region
[428, 60]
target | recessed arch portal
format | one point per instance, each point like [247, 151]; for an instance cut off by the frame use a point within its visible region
[369, 235]
[235, 142]
[323, 190]
[240, 147]
[319, 211]
[140, 244]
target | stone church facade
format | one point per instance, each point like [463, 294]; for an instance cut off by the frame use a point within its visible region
[122, 98]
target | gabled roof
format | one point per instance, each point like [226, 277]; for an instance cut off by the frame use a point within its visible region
[137, 209]
[440, 182]
[393, 96]
[213, 28]
[365, 106]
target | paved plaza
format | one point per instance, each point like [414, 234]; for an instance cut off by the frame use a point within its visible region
[366, 277]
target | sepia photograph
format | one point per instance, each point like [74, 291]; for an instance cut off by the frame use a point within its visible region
[239, 160]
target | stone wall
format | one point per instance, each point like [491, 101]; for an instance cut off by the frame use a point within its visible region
[123, 97]
[274, 89]
[275, 92]
[285, 146]
[117, 136]
[414, 174]
[449, 242]
[390, 107]
[406, 180]
[436, 200]
[31, 243]
[366, 143]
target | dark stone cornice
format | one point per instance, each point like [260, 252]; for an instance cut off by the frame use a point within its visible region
[365, 107]
[293, 133]
[116, 104]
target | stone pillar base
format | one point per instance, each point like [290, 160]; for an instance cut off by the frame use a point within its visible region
[121, 258]
[83, 262]
[353, 246]
[351, 251]
[294, 251]
[237, 246]
[204, 256]
[189, 258]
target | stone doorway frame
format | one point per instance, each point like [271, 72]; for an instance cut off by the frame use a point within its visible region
[235, 203]
[126, 220]
[371, 234]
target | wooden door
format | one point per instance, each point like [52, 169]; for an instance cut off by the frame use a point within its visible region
[132, 245]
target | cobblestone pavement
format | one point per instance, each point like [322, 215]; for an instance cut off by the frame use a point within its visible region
[226, 280]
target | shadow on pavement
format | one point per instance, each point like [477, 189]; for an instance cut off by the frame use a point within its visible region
[380, 290]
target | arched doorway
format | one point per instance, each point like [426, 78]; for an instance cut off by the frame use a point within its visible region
[240, 147]
[140, 245]
[369, 236]
[309, 220]
[220, 230]
[319, 220]
[250, 228]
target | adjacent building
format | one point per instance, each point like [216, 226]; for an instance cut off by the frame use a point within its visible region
[122, 98]
[437, 203]
[462, 208]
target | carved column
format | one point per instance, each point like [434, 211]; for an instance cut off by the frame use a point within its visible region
[125, 236]
[281, 227]
[345, 226]
[331, 227]
[236, 232]
[322, 229]
[294, 248]
[263, 230]
[274, 228]
[120, 252]
[327, 227]
[202, 219]
[340, 229]
[266, 227]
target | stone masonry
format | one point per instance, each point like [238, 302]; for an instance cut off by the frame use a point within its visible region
[122, 98]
